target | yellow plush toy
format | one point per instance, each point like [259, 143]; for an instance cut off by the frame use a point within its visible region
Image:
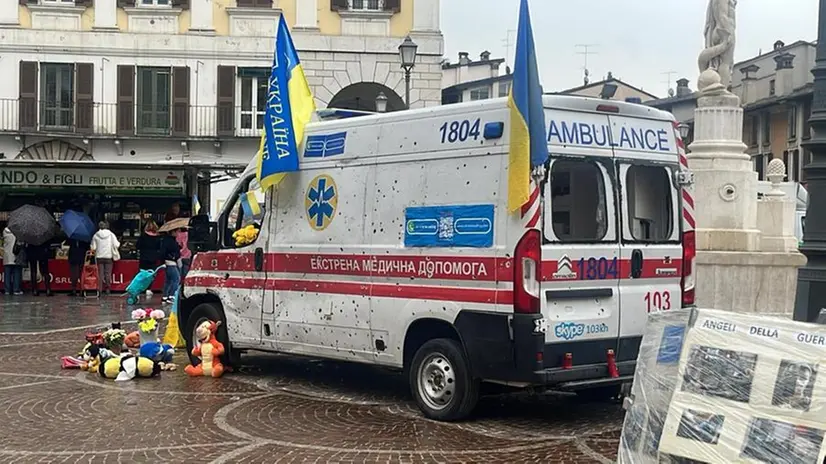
[127, 367]
[245, 235]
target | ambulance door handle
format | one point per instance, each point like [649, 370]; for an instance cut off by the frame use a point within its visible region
[259, 259]
[636, 264]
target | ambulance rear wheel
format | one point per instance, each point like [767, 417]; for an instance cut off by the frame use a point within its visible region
[208, 312]
[441, 382]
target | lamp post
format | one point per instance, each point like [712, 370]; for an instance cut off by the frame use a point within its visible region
[811, 278]
[407, 53]
[684, 129]
[381, 103]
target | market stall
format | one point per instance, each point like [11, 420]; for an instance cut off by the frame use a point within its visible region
[124, 196]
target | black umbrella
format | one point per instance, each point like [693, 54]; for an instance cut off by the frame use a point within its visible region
[32, 224]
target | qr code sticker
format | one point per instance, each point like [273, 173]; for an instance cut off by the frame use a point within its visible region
[446, 227]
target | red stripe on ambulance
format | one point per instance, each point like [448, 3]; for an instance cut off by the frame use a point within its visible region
[413, 292]
[485, 269]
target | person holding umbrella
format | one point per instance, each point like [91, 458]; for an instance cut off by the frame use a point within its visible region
[79, 230]
[37, 228]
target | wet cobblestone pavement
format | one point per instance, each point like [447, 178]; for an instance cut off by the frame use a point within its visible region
[274, 410]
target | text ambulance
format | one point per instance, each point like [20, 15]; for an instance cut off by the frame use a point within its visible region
[393, 246]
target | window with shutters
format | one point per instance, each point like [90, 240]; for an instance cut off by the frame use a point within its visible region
[252, 95]
[150, 3]
[57, 96]
[154, 101]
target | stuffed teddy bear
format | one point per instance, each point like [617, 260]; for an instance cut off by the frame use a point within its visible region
[209, 350]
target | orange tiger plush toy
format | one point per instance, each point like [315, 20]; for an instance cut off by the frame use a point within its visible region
[209, 350]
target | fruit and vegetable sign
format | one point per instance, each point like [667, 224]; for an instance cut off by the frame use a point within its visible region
[110, 179]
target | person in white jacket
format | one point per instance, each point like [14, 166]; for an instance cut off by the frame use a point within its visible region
[105, 245]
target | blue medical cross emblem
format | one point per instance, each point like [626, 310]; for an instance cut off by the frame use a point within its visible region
[321, 195]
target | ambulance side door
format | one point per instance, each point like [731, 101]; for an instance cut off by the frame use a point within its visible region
[242, 278]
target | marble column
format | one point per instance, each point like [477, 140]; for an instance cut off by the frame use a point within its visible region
[306, 14]
[106, 14]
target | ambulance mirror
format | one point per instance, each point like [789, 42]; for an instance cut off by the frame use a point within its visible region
[203, 234]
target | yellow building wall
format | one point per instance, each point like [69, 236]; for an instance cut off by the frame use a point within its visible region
[25, 17]
[87, 19]
[402, 23]
[329, 22]
[779, 133]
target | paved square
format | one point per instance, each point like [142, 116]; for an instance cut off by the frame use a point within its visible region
[277, 409]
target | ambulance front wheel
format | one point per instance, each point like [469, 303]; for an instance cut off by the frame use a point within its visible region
[441, 382]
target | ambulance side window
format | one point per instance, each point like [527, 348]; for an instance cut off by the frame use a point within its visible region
[578, 201]
[650, 212]
[248, 208]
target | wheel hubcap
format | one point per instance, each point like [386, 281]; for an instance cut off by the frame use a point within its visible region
[437, 382]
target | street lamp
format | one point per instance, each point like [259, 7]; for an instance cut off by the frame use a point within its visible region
[811, 278]
[684, 130]
[407, 53]
[381, 103]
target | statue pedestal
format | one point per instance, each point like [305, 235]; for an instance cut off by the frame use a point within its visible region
[725, 187]
[734, 270]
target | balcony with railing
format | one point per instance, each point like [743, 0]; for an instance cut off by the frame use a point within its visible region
[128, 119]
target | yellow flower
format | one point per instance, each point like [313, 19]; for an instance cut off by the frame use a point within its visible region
[147, 325]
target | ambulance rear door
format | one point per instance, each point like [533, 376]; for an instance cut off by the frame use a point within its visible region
[650, 249]
[579, 287]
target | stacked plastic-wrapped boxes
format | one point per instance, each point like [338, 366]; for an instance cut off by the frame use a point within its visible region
[722, 387]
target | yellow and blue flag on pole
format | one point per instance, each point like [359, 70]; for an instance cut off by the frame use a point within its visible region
[528, 144]
[290, 106]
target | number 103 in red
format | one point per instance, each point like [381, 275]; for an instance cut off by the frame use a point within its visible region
[658, 301]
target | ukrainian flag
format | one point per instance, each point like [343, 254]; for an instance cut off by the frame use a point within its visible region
[290, 106]
[528, 140]
[249, 203]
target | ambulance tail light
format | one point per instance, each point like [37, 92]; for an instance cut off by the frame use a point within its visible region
[526, 275]
[689, 267]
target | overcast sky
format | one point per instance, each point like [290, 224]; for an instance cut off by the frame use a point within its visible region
[638, 42]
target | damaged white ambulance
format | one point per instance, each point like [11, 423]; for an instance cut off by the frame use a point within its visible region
[393, 246]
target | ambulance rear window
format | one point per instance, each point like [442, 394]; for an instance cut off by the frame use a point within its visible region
[577, 201]
[649, 203]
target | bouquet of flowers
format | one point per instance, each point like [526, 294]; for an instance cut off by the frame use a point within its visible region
[148, 323]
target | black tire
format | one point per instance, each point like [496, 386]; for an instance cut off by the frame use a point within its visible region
[201, 313]
[464, 395]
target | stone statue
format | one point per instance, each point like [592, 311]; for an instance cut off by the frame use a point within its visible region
[717, 59]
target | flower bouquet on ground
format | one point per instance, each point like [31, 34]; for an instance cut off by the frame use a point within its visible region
[148, 323]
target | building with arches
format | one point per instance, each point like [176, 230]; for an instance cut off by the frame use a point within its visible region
[176, 88]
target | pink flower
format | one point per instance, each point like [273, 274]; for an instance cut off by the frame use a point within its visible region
[138, 314]
[157, 314]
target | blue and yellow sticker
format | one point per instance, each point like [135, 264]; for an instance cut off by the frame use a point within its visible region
[321, 202]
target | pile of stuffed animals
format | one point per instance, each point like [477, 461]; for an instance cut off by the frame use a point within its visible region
[115, 354]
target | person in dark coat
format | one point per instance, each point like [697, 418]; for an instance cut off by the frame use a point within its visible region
[77, 259]
[149, 247]
[39, 256]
